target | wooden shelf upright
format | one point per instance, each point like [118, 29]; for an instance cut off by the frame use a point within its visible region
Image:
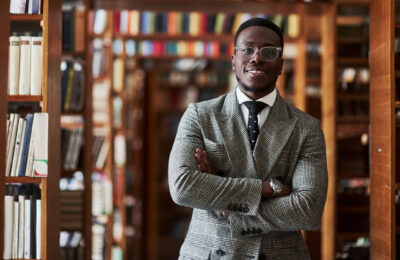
[385, 134]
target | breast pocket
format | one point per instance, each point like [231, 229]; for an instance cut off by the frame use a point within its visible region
[218, 156]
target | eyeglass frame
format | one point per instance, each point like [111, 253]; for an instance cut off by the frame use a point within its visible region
[258, 50]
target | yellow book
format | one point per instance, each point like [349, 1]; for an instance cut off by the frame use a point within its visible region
[182, 49]
[134, 22]
[293, 25]
[118, 75]
[178, 23]
[194, 23]
[70, 86]
[219, 23]
[237, 22]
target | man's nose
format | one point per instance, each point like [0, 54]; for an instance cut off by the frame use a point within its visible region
[256, 58]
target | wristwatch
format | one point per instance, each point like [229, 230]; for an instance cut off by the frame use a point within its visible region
[276, 186]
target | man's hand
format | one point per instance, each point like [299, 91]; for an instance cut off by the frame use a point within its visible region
[204, 163]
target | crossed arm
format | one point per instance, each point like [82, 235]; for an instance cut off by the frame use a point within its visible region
[193, 183]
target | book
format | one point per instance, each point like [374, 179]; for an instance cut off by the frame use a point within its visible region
[8, 223]
[10, 151]
[25, 66]
[13, 65]
[27, 226]
[40, 144]
[38, 227]
[15, 225]
[36, 66]
[25, 145]
[21, 228]
[20, 132]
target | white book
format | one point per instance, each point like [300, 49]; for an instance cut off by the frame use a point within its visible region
[8, 226]
[27, 229]
[76, 148]
[38, 229]
[102, 155]
[29, 162]
[36, 66]
[119, 149]
[12, 143]
[13, 65]
[17, 145]
[21, 228]
[25, 66]
[9, 131]
[124, 21]
[40, 144]
[100, 21]
[17, 6]
[15, 231]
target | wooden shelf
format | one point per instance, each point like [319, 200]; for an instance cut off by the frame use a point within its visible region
[353, 40]
[355, 97]
[351, 20]
[24, 98]
[397, 104]
[353, 62]
[353, 119]
[23, 180]
[353, 175]
[313, 81]
[351, 235]
[228, 38]
[355, 209]
[26, 17]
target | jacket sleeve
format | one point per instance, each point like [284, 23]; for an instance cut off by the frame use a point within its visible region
[302, 209]
[192, 188]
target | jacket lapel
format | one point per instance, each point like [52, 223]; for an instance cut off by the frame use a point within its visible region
[234, 134]
[273, 137]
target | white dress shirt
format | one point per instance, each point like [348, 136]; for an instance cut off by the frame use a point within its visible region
[262, 116]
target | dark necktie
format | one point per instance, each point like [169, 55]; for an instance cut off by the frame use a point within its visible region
[254, 107]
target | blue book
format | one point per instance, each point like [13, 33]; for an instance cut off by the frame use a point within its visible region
[36, 6]
[25, 145]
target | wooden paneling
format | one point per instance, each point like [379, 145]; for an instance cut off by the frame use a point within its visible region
[4, 35]
[51, 105]
[328, 99]
[300, 71]
[382, 130]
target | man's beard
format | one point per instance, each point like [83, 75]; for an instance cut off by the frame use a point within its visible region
[253, 90]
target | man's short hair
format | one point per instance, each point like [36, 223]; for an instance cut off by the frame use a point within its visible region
[259, 22]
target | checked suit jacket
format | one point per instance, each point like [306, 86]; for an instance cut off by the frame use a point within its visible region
[290, 147]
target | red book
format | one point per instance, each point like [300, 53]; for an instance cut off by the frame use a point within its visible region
[117, 21]
[203, 23]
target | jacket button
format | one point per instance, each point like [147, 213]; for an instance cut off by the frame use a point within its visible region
[246, 209]
[220, 252]
[235, 207]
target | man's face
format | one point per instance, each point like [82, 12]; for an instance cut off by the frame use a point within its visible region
[257, 78]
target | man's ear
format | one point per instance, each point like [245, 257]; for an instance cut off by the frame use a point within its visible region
[281, 66]
[233, 63]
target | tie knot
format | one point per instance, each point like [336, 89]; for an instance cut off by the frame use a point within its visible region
[255, 106]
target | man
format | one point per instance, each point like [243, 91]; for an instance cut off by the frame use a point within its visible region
[254, 178]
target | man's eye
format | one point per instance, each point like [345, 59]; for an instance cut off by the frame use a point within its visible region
[248, 50]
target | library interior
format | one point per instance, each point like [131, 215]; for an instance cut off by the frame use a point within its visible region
[109, 82]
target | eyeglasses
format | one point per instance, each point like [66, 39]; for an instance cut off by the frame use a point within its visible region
[268, 53]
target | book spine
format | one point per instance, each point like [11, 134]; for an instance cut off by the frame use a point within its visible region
[13, 61]
[40, 161]
[36, 66]
[8, 226]
[25, 66]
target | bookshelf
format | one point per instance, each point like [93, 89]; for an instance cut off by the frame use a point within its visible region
[345, 120]
[385, 134]
[50, 28]
[76, 122]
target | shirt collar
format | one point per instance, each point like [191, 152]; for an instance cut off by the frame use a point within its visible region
[267, 99]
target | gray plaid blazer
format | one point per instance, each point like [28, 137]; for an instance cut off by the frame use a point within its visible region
[290, 147]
